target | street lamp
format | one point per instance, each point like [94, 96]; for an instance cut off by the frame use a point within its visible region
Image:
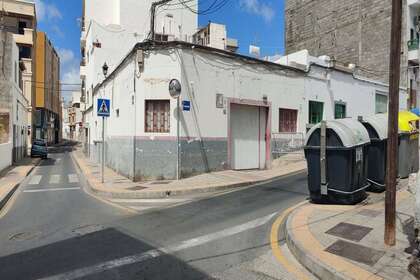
[105, 69]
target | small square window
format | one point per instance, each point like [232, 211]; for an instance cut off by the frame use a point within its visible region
[157, 116]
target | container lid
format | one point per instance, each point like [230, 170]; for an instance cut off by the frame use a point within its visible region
[416, 111]
[405, 119]
[351, 132]
[379, 122]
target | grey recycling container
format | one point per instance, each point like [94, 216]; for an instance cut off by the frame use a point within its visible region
[346, 151]
[408, 153]
[377, 128]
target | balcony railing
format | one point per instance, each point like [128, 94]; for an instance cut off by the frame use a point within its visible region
[413, 44]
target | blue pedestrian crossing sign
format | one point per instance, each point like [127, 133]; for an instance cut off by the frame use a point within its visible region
[103, 107]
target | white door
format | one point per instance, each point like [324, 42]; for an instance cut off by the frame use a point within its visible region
[248, 125]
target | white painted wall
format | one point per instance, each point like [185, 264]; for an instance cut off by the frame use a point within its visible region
[6, 155]
[204, 75]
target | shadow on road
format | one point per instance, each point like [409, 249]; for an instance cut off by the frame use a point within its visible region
[92, 249]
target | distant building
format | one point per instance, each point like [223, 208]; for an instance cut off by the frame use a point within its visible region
[75, 120]
[214, 35]
[47, 90]
[14, 106]
[19, 18]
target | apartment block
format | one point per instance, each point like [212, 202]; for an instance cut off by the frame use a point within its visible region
[350, 32]
[19, 18]
[47, 91]
[14, 106]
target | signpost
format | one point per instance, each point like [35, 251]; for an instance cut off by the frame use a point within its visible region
[175, 92]
[103, 111]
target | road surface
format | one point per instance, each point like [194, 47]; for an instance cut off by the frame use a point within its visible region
[55, 230]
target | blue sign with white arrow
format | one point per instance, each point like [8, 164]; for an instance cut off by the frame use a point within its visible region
[186, 105]
[104, 107]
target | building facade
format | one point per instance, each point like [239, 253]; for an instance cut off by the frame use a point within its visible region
[47, 91]
[109, 33]
[233, 118]
[355, 32]
[214, 35]
[19, 18]
[75, 120]
[14, 106]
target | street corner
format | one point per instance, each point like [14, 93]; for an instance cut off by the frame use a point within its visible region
[336, 242]
[283, 256]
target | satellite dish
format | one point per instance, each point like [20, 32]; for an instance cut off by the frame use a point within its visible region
[174, 88]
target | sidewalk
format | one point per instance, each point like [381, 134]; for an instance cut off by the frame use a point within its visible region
[347, 242]
[11, 177]
[117, 186]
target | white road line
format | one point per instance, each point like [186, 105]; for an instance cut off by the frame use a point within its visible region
[51, 190]
[139, 208]
[163, 200]
[55, 179]
[35, 180]
[73, 178]
[83, 272]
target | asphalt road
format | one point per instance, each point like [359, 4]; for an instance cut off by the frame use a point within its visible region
[55, 230]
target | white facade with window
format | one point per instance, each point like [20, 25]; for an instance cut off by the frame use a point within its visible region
[236, 108]
[14, 107]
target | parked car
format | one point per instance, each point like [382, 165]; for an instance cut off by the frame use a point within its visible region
[39, 148]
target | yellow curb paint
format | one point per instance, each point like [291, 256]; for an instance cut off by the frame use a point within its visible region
[274, 236]
[80, 170]
[302, 233]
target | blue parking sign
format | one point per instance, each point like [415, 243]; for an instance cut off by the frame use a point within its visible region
[103, 107]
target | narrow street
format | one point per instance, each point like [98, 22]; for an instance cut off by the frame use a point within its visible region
[53, 229]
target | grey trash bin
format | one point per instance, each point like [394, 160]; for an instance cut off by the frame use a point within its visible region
[342, 177]
[408, 153]
[377, 127]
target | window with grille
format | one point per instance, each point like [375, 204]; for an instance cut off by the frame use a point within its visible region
[340, 110]
[316, 110]
[287, 120]
[157, 116]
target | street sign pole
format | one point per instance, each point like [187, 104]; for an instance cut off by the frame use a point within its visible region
[394, 85]
[103, 111]
[175, 92]
[178, 159]
[103, 148]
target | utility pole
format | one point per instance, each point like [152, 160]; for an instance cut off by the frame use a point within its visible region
[153, 16]
[392, 149]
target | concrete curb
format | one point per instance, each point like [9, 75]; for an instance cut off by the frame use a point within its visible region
[166, 194]
[9, 195]
[312, 264]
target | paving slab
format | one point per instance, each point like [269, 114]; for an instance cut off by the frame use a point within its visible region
[347, 242]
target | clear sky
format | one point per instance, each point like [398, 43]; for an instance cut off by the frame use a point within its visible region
[258, 22]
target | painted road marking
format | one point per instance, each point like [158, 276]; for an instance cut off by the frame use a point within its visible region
[51, 190]
[164, 200]
[151, 254]
[55, 179]
[73, 178]
[139, 208]
[35, 180]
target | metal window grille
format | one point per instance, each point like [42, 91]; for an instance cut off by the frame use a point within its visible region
[157, 116]
[287, 120]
